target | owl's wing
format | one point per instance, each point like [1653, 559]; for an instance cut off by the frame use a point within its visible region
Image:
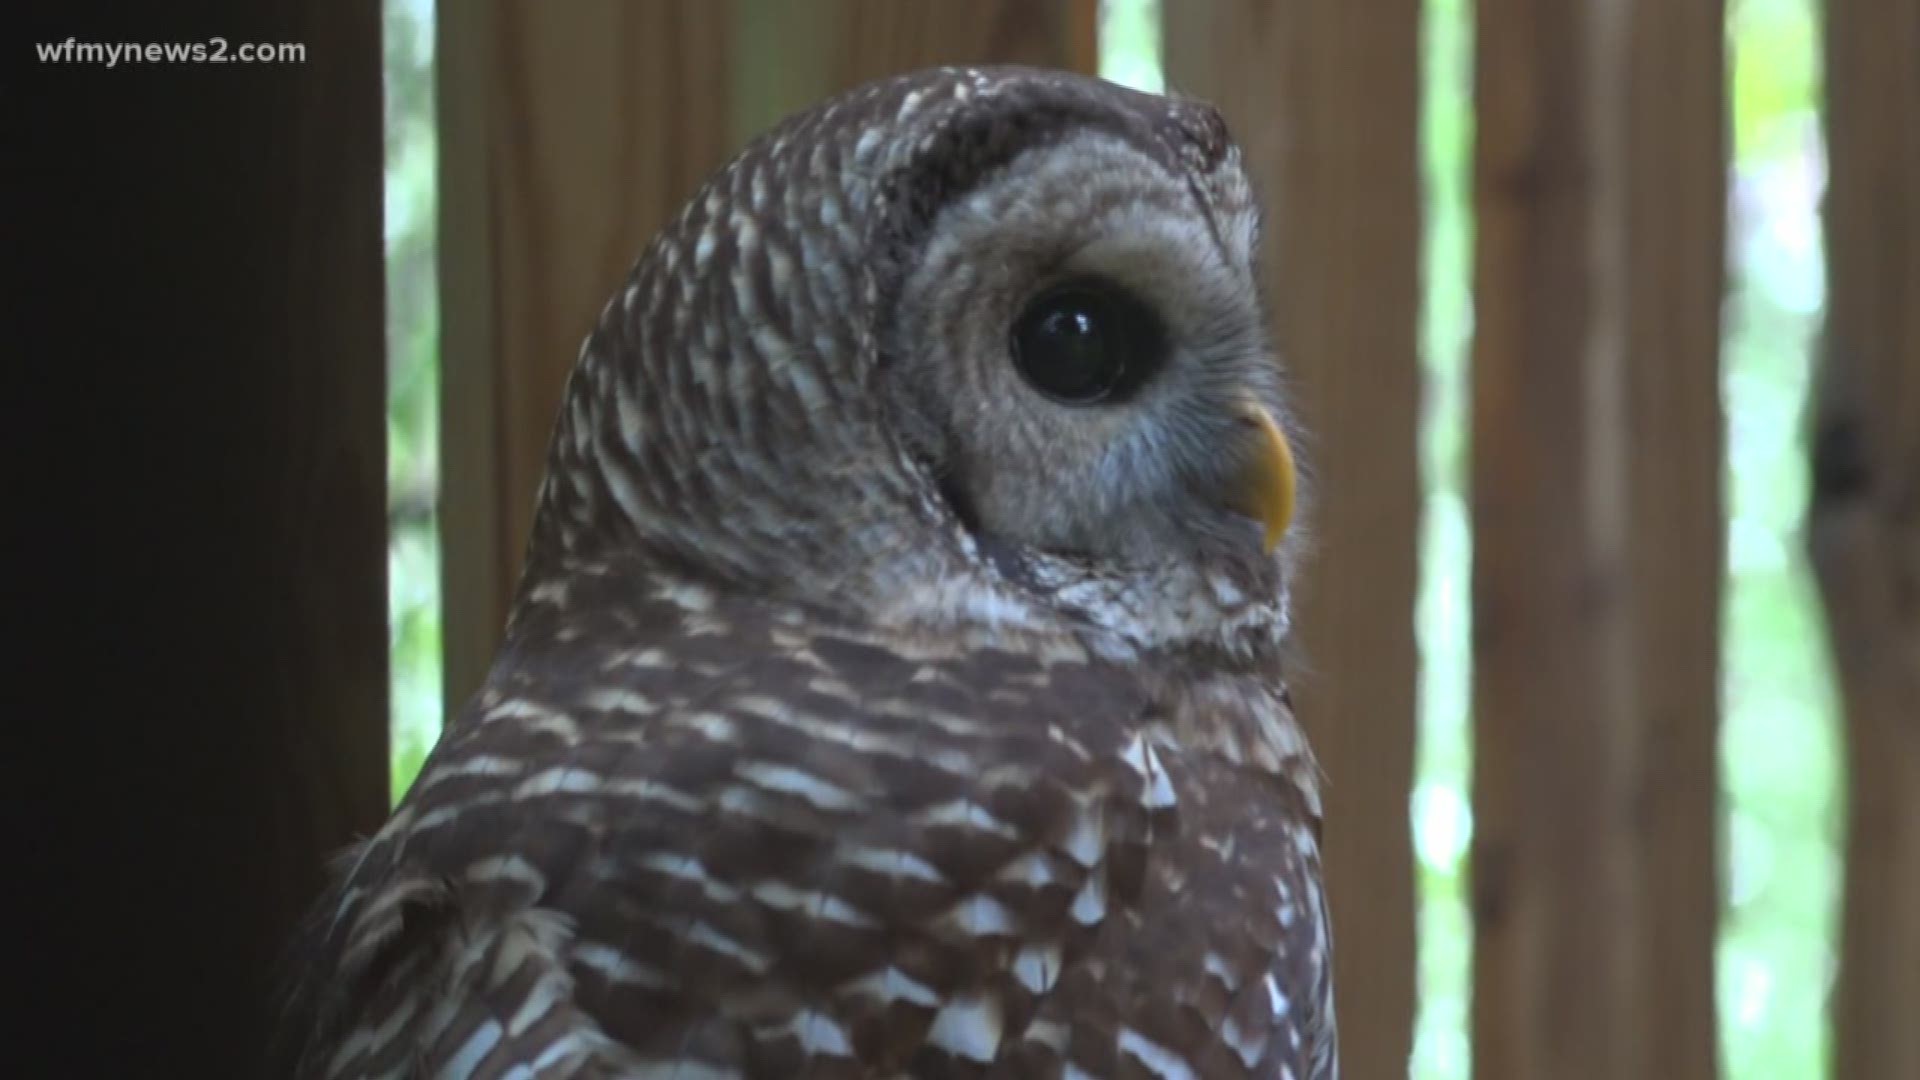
[1223, 966]
[760, 847]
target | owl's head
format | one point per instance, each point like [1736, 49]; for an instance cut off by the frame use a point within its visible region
[965, 344]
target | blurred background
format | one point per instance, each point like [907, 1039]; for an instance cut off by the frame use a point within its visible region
[1779, 818]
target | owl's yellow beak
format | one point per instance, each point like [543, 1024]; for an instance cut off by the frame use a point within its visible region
[1264, 488]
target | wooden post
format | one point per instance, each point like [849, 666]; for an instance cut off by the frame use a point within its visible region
[1554, 923]
[794, 54]
[211, 279]
[1675, 170]
[569, 134]
[1864, 523]
[1324, 97]
[1597, 525]
[1598, 537]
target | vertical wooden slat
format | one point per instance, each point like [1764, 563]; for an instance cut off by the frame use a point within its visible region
[1864, 524]
[1552, 862]
[793, 54]
[214, 519]
[1599, 179]
[1675, 240]
[568, 134]
[1324, 97]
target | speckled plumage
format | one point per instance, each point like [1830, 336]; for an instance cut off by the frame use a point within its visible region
[830, 738]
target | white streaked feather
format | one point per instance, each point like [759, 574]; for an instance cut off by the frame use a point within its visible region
[980, 916]
[1037, 967]
[506, 868]
[1086, 840]
[1217, 967]
[1163, 1062]
[786, 780]
[783, 897]
[557, 1051]
[891, 985]
[656, 792]
[1276, 999]
[1048, 1033]
[478, 765]
[543, 998]
[559, 780]
[618, 968]
[712, 940]
[1242, 1044]
[820, 1034]
[966, 814]
[479, 1044]
[689, 869]
[969, 1027]
[892, 862]
[616, 699]
[1090, 903]
[1034, 870]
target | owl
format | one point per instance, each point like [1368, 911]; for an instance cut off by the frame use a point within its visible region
[894, 686]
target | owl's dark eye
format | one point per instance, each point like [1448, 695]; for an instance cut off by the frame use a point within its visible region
[1083, 342]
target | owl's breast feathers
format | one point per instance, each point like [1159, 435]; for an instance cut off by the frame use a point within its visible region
[680, 835]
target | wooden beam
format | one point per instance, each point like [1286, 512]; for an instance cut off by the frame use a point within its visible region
[1323, 96]
[794, 54]
[1673, 262]
[211, 277]
[1598, 557]
[1553, 864]
[568, 134]
[1864, 523]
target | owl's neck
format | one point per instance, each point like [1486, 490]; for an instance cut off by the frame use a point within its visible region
[1244, 716]
[1209, 655]
[1177, 608]
[1222, 693]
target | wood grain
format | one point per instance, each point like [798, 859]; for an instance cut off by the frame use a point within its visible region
[1553, 860]
[1864, 522]
[1674, 233]
[1599, 536]
[1323, 96]
[794, 54]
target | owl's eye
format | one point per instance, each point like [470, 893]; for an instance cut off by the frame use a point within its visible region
[1083, 342]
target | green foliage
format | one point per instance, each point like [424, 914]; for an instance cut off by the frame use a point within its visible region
[1130, 44]
[1779, 748]
[413, 384]
[1442, 807]
[1776, 75]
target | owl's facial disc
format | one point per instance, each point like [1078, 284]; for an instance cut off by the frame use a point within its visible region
[1082, 354]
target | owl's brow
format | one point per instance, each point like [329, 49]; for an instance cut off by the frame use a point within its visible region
[1192, 183]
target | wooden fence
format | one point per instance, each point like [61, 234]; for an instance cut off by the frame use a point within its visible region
[570, 131]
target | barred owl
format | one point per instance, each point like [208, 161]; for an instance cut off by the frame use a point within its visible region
[894, 684]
